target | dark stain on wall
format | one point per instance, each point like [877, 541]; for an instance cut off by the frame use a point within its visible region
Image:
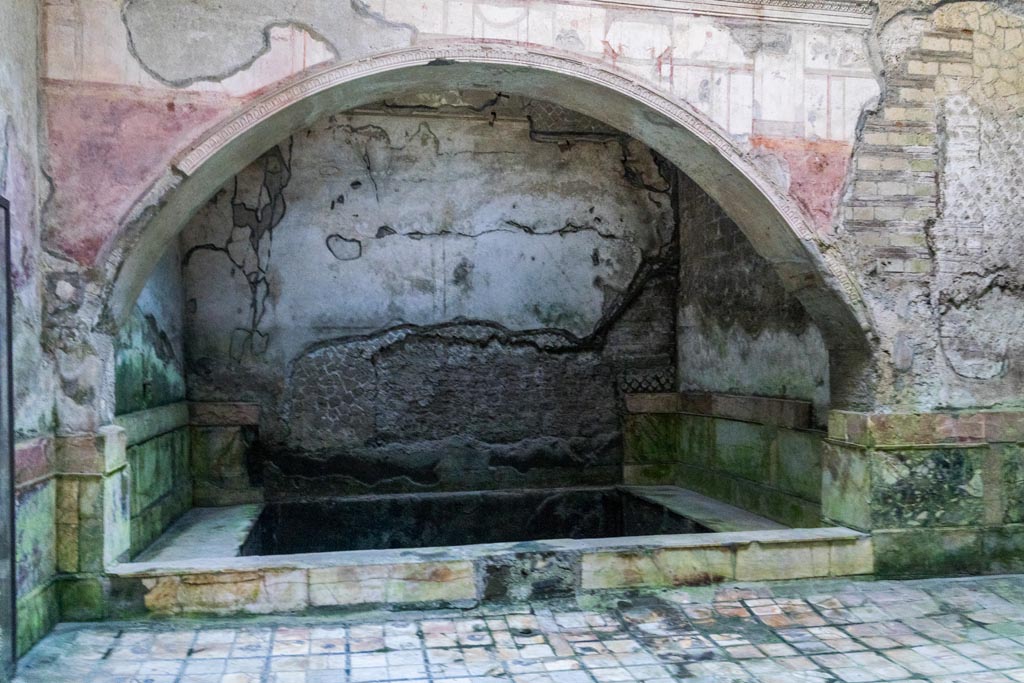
[723, 275]
[470, 404]
[462, 404]
[148, 372]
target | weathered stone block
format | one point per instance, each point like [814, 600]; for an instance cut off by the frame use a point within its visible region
[1004, 426]
[846, 485]
[939, 487]
[798, 458]
[854, 558]
[348, 585]
[776, 561]
[427, 582]
[92, 454]
[256, 592]
[655, 568]
[222, 414]
[431, 582]
[90, 545]
[927, 552]
[67, 546]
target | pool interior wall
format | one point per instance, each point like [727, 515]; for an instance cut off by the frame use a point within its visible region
[459, 518]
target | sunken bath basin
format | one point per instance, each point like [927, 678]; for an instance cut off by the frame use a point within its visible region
[458, 549]
[462, 518]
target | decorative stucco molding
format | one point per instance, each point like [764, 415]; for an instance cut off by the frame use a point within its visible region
[497, 54]
[842, 13]
[542, 59]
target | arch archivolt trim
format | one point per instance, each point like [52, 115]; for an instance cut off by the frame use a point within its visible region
[819, 248]
[531, 57]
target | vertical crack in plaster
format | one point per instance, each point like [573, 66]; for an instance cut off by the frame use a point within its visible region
[250, 253]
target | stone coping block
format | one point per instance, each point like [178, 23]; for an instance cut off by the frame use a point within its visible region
[455, 576]
[224, 414]
[100, 453]
[774, 556]
[33, 460]
[193, 581]
[879, 430]
[144, 425]
[472, 552]
[779, 412]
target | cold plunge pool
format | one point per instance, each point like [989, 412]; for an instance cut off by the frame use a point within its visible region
[459, 518]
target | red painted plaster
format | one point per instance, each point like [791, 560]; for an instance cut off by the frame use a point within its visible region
[33, 460]
[817, 170]
[107, 145]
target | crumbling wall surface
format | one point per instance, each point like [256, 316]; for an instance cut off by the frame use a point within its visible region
[439, 293]
[149, 350]
[932, 219]
[22, 185]
[932, 211]
[740, 332]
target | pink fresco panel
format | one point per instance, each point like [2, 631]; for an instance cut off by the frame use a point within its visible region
[107, 146]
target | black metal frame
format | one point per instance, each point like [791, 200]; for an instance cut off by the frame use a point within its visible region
[9, 648]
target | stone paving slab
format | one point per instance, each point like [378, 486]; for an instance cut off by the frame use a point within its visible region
[942, 630]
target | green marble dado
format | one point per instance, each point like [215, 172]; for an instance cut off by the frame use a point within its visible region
[942, 487]
[35, 562]
[146, 370]
[161, 485]
[1012, 458]
[764, 468]
[35, 536]
[949, 551]
[37, 613]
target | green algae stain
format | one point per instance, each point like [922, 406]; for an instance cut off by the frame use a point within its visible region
[147, 371]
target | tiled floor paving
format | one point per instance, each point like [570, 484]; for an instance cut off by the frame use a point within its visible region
[949, 631]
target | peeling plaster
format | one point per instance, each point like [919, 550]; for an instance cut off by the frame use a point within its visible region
[249, 245]
[229, 36]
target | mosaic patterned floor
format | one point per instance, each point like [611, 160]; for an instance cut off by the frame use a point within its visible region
[948, 631]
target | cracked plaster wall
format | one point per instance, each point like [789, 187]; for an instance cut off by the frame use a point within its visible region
[443, 292]
[120, 65]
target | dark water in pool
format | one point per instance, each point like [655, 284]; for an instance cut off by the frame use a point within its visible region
[461, 518]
